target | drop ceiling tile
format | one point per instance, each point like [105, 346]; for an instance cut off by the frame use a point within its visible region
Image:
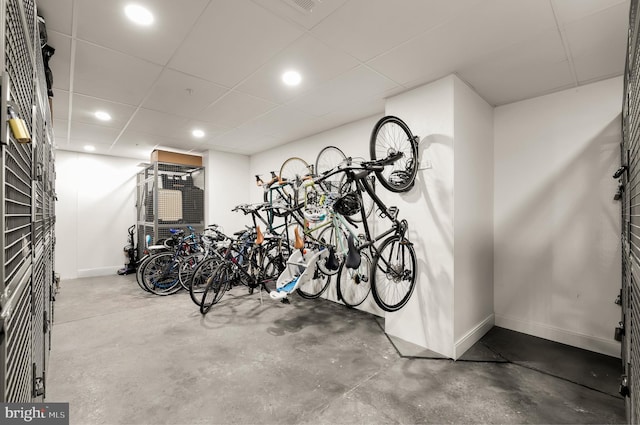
[59, 62]
[315, 61]
[84, 108]
[92, 134]
[475, 33]
[234, 109]
[280, 121]
[211, 131]
[58, 15]
[104, 22]
[598, 43]
[367, 28]
[520, 71]
[141, 153]
[354, 87]
[289, 10]
[568, 11]
[182, 94]
[60, 130]
[159, 124]
[355, 112]
[231, 41]
[111, 75]
[242, 140]
[60, 104]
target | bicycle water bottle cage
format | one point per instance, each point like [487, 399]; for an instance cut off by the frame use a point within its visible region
[332, 262]
[353, 256]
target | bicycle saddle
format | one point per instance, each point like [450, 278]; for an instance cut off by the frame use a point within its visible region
[332, 261]
[353, 256]
[259, 236]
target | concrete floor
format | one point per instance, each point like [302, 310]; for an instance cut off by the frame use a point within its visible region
[121, 356]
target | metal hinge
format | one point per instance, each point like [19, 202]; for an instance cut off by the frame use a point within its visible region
[619, 332]
[38, 383]
[624, 386]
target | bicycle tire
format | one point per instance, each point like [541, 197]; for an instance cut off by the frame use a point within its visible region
[292, 169]
[329, 158]
[316, 286]
[217, 285]
[391, 136]
[160, 274]
[394, 275]
[354, 286]
[198, 281]
[187, 266]
[143, 261]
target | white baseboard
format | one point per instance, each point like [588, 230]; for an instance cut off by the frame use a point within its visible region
[100, 271]
[473, 336]
[599, 345]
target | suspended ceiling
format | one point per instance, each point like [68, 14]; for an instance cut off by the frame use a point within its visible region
[216, 65]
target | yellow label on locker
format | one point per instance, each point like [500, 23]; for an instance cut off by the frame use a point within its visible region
[19, 130]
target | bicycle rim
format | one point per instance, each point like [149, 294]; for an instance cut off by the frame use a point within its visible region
[315, 286]
[160, 275]
[394, 274]
[329, 158]
[392, 136]
[198, 281]
[216, 287]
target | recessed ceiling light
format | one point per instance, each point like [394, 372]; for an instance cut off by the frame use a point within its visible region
[291, 78]
[103, 116]
[89, 148]
[139, 14]
[198, 133]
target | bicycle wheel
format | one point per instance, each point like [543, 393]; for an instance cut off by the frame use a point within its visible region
[332, 238]
[367, 201]
[143, 262]
[354, 285]
[391, 138]
[329, 158]
[199, 277]
[160, 274]
[315, 286]
[394, 276]
[188, 265]
[293, 168]
[217, 285]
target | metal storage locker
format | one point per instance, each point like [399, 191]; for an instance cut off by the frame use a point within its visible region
[27, 209]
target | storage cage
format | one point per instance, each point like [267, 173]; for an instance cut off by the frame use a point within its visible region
[169, 196]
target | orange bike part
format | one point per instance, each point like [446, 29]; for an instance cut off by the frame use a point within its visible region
[299, 242]
[259, 236]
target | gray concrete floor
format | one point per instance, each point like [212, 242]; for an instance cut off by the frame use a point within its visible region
[121, 356]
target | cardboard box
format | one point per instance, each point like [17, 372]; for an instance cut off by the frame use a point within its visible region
[176, 158]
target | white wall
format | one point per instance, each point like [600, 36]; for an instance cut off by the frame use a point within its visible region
[427, 320]
[227, 175]
[557, 228]
[473, 220]
[96, 206]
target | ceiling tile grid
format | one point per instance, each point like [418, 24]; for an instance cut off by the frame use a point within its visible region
[216, 65]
